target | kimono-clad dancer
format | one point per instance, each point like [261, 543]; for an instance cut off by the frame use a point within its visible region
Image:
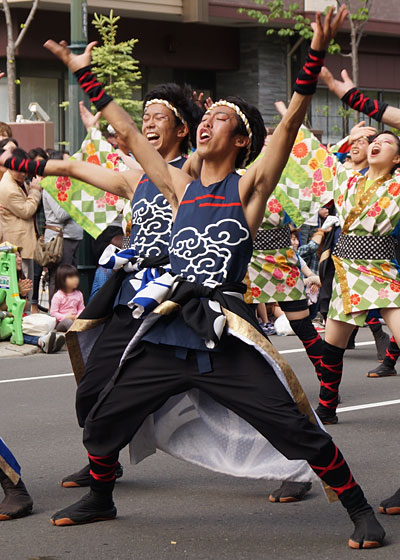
[216, 217]
[385, 216]
[312, 153]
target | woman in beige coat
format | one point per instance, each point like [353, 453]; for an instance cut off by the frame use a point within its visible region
[19, 205]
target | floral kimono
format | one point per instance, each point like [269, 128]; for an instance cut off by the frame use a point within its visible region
[304, 187]
[367, 218]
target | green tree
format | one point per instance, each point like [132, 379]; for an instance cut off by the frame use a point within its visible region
[299, 25]
[359, 12]
[115, 66]
[276, 10]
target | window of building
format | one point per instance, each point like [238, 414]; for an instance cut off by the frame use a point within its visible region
[44, 91]
[335, 119]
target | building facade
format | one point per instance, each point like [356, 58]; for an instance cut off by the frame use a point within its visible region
[208, 44]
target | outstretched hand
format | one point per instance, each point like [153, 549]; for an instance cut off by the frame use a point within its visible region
[89, 120]
[73, 61]
[361, 131]
[338, 87]
[325, 32]
[2, 75]
[200, 101]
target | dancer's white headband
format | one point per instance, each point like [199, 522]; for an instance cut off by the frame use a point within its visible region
[167, 104]
[241, 115]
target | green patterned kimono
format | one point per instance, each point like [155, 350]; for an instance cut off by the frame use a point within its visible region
[305, 186]
[360, 284]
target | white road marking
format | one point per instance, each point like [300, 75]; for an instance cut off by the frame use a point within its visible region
[369, 405]
[35, 378]
[293, 351]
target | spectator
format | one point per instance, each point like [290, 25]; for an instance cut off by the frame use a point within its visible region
[56, 154]
[19, 204]
[48, 343]
[67, 303]
[38, 154]
[56, 219]
[5, 131]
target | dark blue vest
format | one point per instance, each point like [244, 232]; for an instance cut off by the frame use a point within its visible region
[210, 244]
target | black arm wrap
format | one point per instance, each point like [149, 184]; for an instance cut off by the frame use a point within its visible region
[360, 102]
[28, 166]
[307, 79]
[94, 89]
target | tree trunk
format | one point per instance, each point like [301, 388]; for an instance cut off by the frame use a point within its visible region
[354, 54]
[12, 46]
[12, 86]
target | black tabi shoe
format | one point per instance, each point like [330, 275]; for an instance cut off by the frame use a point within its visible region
[327, 416]
[17, 501]
[382, 371]
[92, 507]
[391, 505]
[81, 479]
[368, 532]
[290, 491]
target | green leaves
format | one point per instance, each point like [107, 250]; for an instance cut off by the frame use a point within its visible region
[278, 11]
[114, 65]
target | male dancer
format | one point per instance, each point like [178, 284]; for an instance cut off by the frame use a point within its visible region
[169, 122]
[210, 249]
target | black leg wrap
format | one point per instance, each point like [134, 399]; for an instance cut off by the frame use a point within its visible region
[311, 340]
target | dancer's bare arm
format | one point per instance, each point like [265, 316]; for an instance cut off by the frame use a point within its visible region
[122, 184]
[391, 116]
[169, 180]
[261, 178]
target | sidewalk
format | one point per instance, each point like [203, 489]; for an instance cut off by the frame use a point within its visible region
[8, 350]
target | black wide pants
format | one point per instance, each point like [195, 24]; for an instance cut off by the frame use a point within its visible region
[241, 380]
[103, 360]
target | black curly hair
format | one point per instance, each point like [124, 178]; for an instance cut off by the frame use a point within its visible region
[182, 99]
[257, 126]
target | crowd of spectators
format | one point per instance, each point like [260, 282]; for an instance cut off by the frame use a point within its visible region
[26, 213]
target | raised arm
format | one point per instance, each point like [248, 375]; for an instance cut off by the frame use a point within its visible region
[170, 181]
[261, 178]
[346, 90]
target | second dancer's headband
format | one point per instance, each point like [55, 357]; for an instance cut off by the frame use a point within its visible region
[167, 104]
[241, 115]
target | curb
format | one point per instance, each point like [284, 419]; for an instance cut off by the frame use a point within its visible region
[8, 350]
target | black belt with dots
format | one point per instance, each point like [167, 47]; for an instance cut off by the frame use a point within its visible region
[276, 238]
[368, 247]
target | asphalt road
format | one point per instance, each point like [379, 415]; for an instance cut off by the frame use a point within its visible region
[172, 510]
